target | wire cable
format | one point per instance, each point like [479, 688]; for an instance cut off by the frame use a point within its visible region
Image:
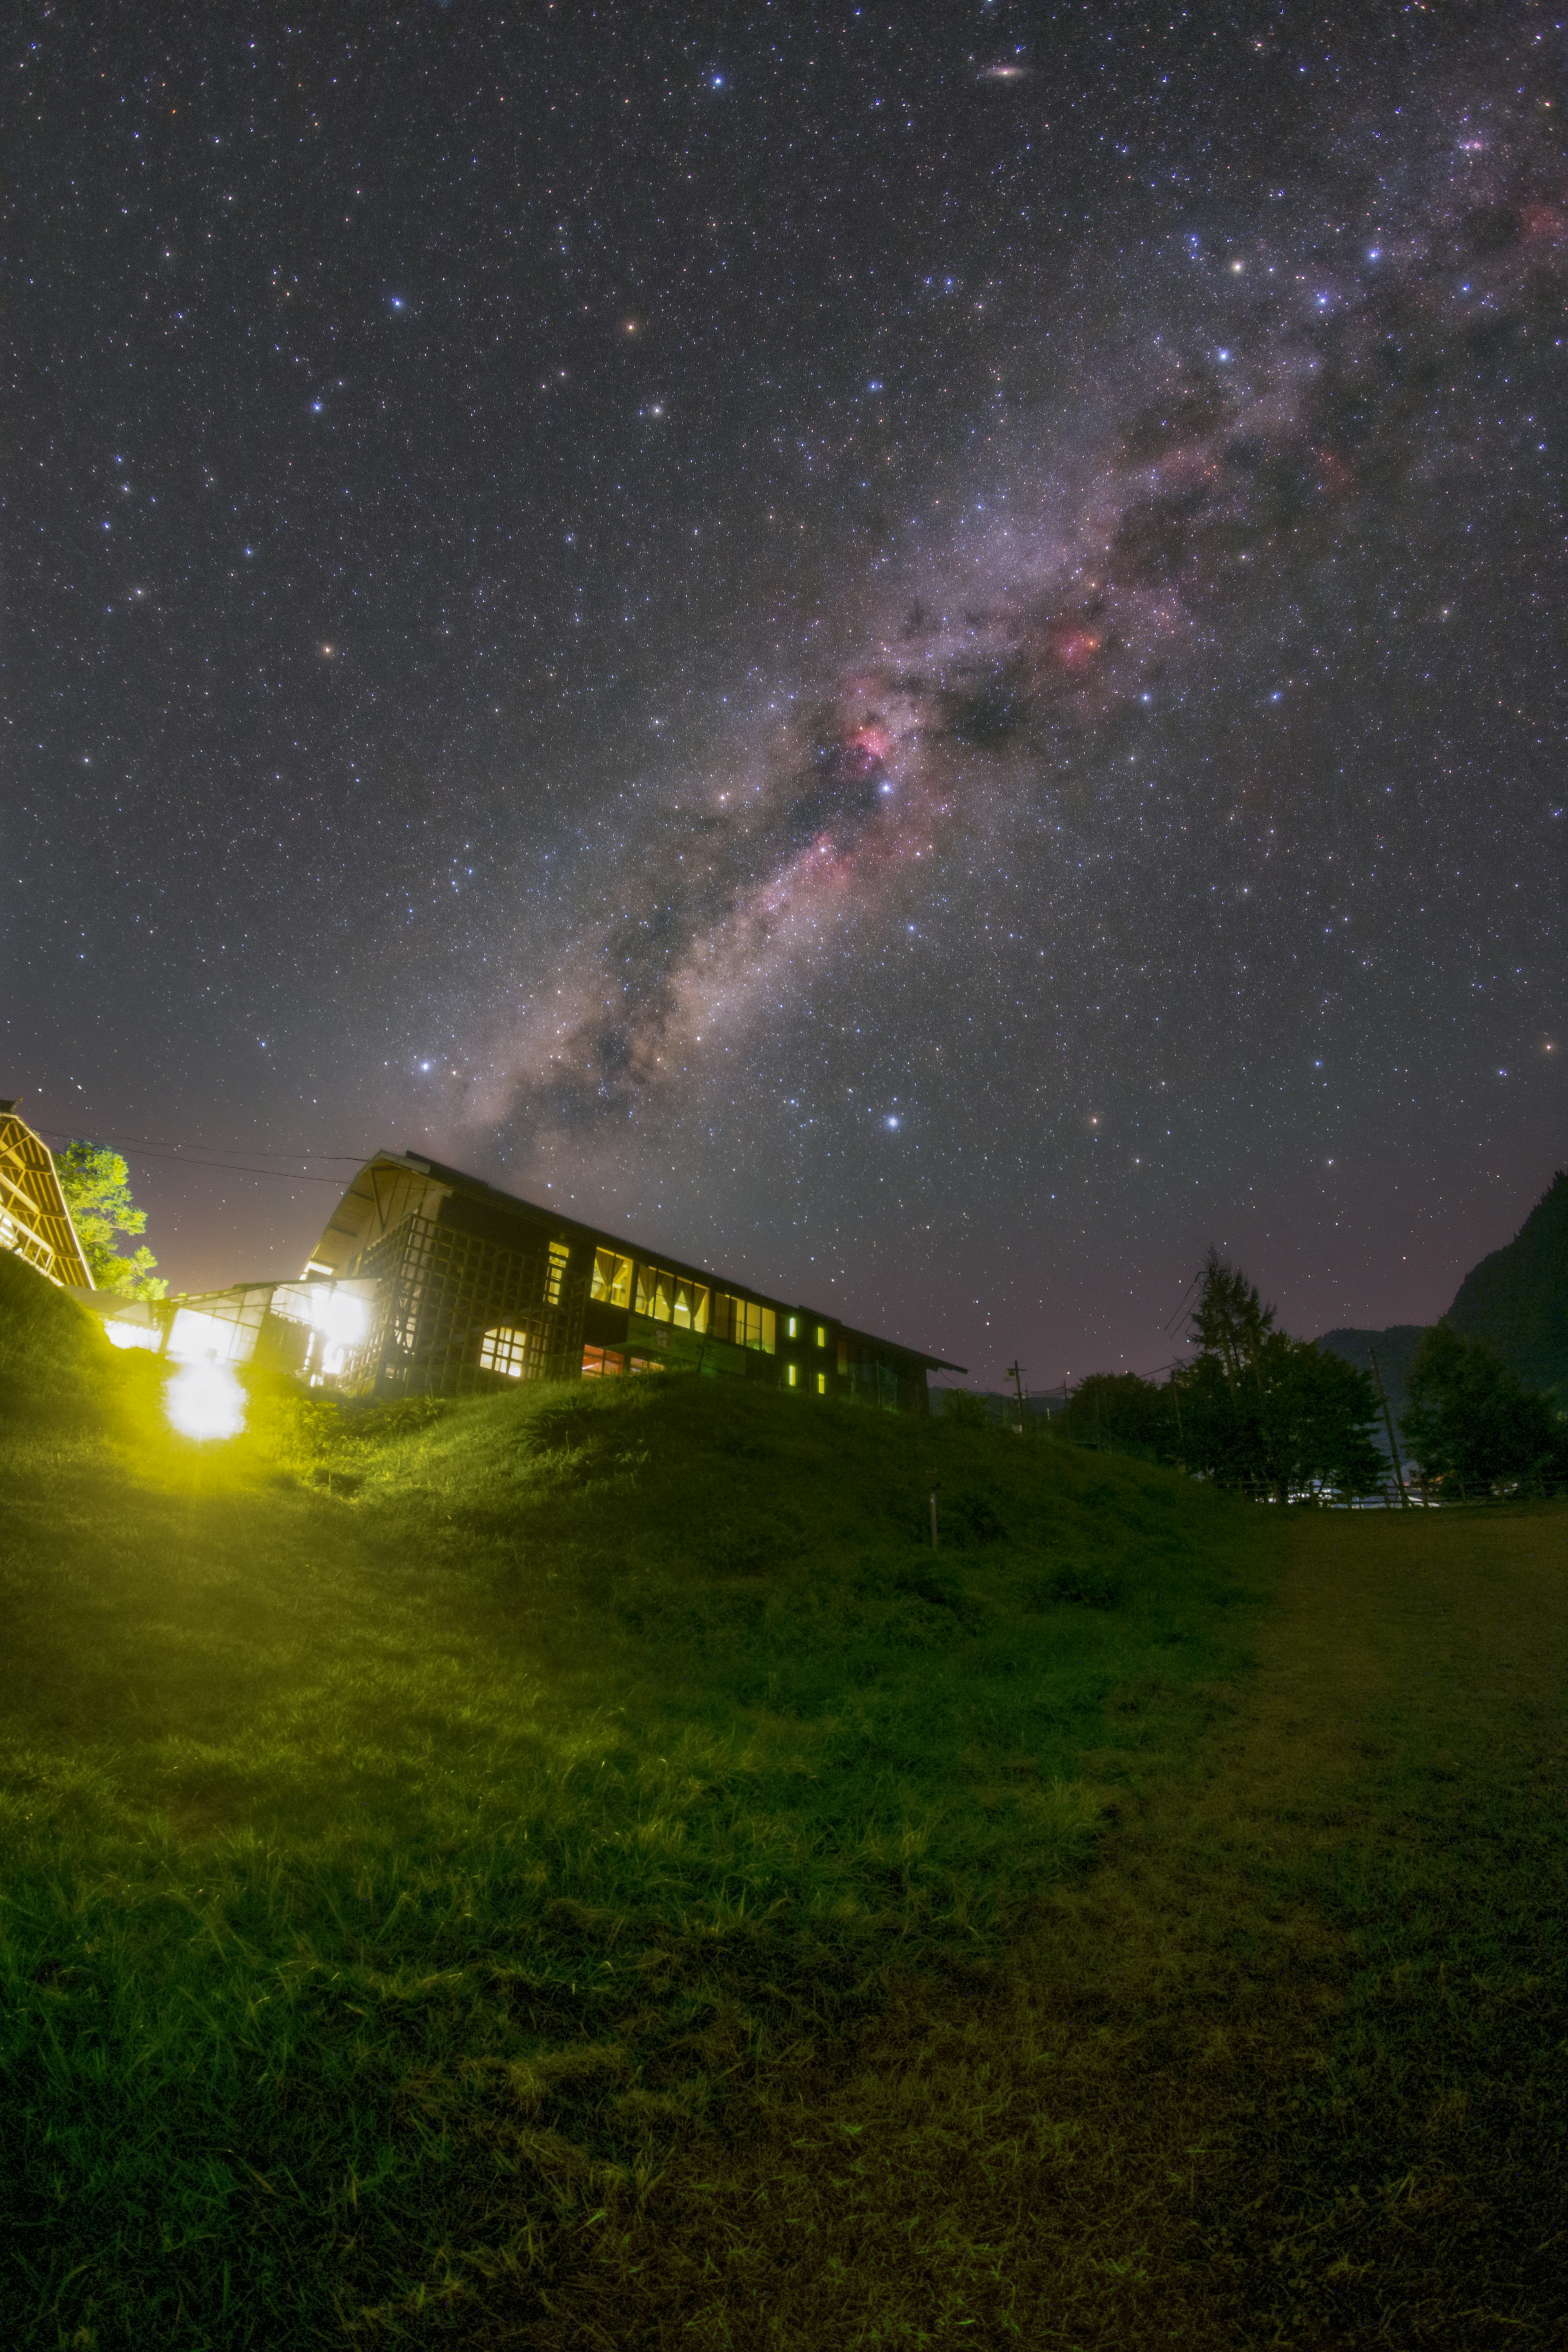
[1185, 1296]
[179, 1158]
[162, 1143]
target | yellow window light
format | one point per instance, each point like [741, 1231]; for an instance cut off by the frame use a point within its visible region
[612, 1280]
[554, 1280]
[504, 1350]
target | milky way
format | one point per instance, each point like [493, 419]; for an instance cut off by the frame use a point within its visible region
[1439, 249]
[921, 659]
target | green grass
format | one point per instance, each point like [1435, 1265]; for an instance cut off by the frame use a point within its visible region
[574, 1869]
[396, 1876]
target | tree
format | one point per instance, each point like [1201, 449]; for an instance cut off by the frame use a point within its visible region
[1121, 1413]
[1260, 1411]
[1471, 1422]
[1230, 1321]
[96, 1187]
[1317, 1413]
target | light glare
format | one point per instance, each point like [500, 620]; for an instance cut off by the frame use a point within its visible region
[205, 1401]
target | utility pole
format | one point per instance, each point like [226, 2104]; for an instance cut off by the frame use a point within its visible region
[1016, 1374]
[933, 1496]
[1388, 1424]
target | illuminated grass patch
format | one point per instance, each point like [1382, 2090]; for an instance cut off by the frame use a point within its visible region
[577, 1868]
[633, 1716]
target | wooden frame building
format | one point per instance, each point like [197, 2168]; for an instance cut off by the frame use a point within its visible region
[474, 1287]
[34, 1219]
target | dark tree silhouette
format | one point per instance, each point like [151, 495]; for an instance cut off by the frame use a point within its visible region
[1266, 1413]
[1471, 1425]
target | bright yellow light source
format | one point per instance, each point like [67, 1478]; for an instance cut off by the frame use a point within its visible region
[131, 1335]
[196, 1336]
[338, 1315]
[205, 1400]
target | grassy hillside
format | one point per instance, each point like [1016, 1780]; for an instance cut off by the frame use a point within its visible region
[422, 1834]
[572, 1869]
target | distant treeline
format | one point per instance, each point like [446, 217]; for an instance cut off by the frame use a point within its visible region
[1263, 1413]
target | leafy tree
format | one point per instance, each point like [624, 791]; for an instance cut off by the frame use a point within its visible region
[1260, 1411]
[1120, 1412]
[1470, 1421]
[1317, 1412]
[962, 1409]
[96, 1187]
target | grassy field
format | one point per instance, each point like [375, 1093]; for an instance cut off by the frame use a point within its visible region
[575, 1870]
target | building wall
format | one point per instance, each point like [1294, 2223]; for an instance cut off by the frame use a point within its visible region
[475, 1291]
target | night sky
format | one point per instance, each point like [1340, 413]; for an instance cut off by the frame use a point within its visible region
[915, 652]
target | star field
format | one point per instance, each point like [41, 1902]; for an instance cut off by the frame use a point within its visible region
[915, 654]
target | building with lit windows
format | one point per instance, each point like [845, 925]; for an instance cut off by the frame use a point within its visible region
[467, 1287]
[34, 1219]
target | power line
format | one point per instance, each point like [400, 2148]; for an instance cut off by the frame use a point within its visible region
[178, 1158]
[1185, 1296]
[162, 1143]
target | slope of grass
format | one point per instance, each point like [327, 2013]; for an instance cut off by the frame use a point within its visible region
[424, 1844]
[1287, 2067]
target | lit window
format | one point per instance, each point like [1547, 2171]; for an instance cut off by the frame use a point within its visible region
[602, 1363]
[612, 1277]
[743, 1322]
[656, 1291]
[822, 1335]
[643, 1364]
[791, 1376]
[821, 1384]
[555, 1279]
[504, 1350]
[690, 1305]
[794, 1326]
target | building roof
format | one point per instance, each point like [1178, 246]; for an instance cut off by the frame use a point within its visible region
[393, 1185]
